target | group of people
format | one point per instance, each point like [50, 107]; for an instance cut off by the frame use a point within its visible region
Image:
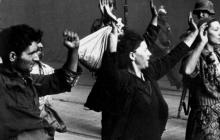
[126, 89]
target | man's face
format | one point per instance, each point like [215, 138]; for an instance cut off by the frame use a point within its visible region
[142, 55]
[27, 59]
[214, 33]
[203, 14]
[40, 51]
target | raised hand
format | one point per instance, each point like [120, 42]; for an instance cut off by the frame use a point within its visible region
[120, 26]
[101, 5]
[203, 33]
[108, 12]
[71, 40]
[154, 19]
[192, 25]
[192, 32]
[153, 9]
[117, 28]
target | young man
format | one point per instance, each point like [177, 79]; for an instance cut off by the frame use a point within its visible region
[20, 91]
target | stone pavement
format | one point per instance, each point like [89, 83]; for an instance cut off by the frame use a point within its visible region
[85, 124]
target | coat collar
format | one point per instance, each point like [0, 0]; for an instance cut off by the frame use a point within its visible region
[12, 72]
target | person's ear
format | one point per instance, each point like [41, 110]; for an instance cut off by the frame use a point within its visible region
[12, 56]
[132, 56]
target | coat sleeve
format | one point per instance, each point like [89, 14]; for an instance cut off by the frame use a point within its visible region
[109, 70]
[159, 67]
[61, 80]
[151, 35]
[101, 96]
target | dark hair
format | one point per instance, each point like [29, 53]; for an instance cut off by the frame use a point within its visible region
[17, 38]
[207, 20]
[129, 42]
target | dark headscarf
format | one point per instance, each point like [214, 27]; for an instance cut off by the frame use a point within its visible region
[129, 42]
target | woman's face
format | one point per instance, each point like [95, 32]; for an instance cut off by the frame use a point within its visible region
[142, 55]
[214, 33]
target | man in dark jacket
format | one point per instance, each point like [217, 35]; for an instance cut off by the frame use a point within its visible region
[20, 91]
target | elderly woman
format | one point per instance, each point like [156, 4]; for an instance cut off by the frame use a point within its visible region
[202, 72]
[132, 106]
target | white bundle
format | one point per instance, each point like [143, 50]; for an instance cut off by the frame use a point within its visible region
[92, 48]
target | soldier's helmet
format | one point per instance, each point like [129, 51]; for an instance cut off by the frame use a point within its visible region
[204, 5]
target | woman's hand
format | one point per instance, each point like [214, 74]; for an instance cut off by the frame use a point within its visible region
[203, 33]
[191, 34]
[102, 3]
[108, 12]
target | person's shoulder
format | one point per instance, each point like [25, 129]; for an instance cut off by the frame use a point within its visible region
[4, 75]
[124, 75]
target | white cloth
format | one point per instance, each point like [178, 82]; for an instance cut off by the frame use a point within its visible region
[43, 69]
[92, 48]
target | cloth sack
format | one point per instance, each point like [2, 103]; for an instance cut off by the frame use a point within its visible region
[92, 48]
[52, 117]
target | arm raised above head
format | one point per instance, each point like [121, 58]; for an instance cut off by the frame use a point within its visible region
[193, 58]
[161, 66]
[154, 12]
[71, 42]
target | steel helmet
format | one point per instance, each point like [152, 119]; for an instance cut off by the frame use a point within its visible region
[204, 5]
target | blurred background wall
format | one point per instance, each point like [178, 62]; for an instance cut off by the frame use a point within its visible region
[54, 16]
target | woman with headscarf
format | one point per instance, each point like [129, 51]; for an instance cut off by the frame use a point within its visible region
[132, 106]
[201, 69]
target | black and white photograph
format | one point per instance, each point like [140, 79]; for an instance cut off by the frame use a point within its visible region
[109, 70]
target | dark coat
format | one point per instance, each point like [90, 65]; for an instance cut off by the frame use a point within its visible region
[133, 109]
[19, 98]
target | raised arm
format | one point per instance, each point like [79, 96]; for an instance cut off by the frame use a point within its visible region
[154, 19]
[161, 66]
[71, 42]
[65, 78]
[152, 30]
[110, 65]
[193, 58]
